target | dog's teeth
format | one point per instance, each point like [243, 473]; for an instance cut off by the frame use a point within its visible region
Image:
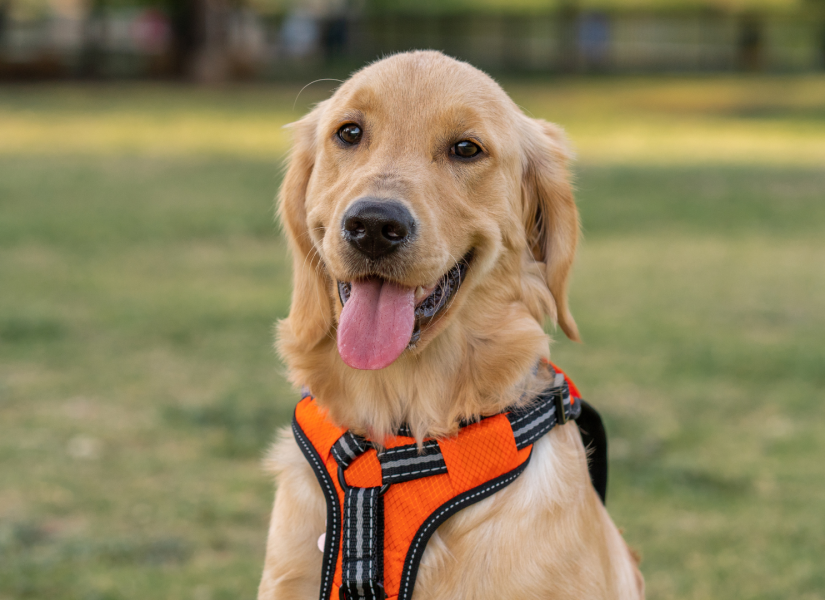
[420, 293]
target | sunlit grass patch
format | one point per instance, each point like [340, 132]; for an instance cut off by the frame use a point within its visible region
[669, 121]
[149, 120]
[669, 141]
[677, 121]
[176, 135]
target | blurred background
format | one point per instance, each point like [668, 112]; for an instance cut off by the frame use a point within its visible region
[218, 40]
[141, 273]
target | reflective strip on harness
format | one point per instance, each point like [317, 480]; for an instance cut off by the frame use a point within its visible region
[405, 463]
[531, 422]
[349, 447]
[362, 564]
[382, 507]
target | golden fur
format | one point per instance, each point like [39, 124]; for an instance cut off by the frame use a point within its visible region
[546, 535]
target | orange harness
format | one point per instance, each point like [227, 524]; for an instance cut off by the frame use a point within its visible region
[383, 507]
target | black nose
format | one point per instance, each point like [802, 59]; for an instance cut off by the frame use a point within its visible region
[377, 227]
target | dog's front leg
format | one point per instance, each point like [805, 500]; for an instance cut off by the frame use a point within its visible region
[293, 561]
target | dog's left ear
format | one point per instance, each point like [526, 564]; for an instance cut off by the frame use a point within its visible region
[551, 219]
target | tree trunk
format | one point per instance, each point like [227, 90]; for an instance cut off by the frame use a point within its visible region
[212, 61]
[751, 43]
[92, 53]
[201, 41]
[568, 36]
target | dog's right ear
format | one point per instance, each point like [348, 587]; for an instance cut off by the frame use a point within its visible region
[551, 217]
[310, 314]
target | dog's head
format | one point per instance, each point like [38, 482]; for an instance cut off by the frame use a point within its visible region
[420, 196]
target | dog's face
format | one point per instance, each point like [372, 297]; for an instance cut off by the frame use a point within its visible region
[419, 192]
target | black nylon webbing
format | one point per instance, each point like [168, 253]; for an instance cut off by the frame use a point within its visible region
[348, 447]
[536, 419]
[594, 438]
[362, 561]
[405, 463]
[405, 430]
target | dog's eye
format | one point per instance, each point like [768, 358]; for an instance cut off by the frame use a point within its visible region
[465, 149]
[350, 134]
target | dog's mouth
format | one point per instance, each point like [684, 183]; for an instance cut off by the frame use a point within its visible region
[380, 318]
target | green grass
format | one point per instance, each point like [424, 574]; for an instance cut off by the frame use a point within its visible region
[141, 274]
[704, 345]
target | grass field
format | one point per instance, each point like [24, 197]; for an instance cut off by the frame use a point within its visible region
[141, 274]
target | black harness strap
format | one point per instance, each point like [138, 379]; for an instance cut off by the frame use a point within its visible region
[406, 463]
[349, 447]
[553, 407]
[363, 546]
[333, 508]
[595, 441]
[362, 559]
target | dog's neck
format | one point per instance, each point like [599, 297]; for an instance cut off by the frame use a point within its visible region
[462, 374]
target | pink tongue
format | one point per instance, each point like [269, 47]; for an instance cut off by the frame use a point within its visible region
[376, 323]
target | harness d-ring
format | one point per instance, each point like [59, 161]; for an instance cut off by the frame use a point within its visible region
[342, 480]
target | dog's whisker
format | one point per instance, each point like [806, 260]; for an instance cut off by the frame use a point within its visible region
[309, 84]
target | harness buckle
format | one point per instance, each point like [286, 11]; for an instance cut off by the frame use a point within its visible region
[558, 400]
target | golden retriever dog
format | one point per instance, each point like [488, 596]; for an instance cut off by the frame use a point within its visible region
[432, 227]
